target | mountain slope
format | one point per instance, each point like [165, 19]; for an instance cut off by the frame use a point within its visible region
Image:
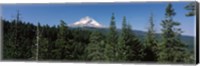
[87, 22]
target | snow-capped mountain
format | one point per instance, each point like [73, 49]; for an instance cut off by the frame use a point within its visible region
[87, 22]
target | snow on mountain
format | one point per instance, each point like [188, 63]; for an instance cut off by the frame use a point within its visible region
[88, 22]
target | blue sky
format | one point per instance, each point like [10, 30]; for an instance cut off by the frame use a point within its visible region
[137, 14]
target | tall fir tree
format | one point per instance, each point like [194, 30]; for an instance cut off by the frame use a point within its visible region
[151, 43]
[121, 46]
[61, 46]
[111, 41]
[171, 48]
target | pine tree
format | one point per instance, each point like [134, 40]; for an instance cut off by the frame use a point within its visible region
[121, 47]
[171, 48]
[95, 48]
[150, 43]
[113, 31]
[111, 41]
[61, 46]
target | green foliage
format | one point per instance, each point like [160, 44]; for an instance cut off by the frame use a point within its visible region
[112, 36]
[43, 49]
[151, 43]
[171, 48]
[136, 47]
[61, 44]
[17, 42]
[62, 29]
[111, 41]
[79, 41]
[191, 8]
[95, 49]
[121, 46]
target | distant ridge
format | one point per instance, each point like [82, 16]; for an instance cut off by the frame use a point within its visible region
[188, 40]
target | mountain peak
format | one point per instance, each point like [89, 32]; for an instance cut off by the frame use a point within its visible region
[88, 22]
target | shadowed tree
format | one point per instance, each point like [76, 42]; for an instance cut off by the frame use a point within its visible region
[61, 46]
[136, 50]
[150, 43]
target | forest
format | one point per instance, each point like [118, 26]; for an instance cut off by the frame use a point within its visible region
[28, 42]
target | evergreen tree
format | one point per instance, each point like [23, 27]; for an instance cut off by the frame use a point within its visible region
[111, 41]
[61, 47]
[171, 48]
[95, 48]
[150, 43]
[135, 52]
[79, 41]
[121, 47]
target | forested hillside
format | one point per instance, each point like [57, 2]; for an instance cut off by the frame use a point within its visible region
[188, 40]
[26, 41]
